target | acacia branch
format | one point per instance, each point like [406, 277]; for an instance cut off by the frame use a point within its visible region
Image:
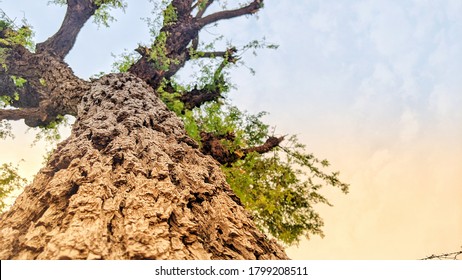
[77, 14]
[196, 97]
[211, 92]
[35, 114]
[19, 114]
[48, 87]
[268, 146]
[172, 50]
[212, 145]
[251, 8]
[202, 10]
[212, 54]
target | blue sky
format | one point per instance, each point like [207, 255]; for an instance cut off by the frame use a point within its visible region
[373, 86]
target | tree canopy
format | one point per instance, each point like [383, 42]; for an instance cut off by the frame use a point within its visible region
[274, 176]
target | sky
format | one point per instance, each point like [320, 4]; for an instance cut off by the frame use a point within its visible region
[374, 86]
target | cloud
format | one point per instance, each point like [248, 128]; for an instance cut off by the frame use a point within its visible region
[409, 126]
[445, 103]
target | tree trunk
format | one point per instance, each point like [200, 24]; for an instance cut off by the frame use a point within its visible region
[130, 184]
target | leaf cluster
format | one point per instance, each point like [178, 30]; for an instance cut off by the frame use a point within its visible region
[6, 100]
[103, 13]
[5, 129]
[10, 181]
[12, 34]
[50, 132]
[158, 53]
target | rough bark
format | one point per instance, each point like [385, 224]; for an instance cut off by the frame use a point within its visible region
[51, 89]
[212, 145]
[130, 184]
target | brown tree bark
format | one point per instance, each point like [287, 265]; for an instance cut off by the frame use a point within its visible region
[212, 145]
[128, 185]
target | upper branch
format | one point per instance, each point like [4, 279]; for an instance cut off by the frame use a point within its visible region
[203, 7]
[77, 14]
[179, 35]
[251, 8]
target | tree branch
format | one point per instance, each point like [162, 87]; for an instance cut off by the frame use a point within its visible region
[77, 14]
[212, 54]
[202, 10]
[48, 86]
[211, 92]
[196, 97]
[213, 146]
[170, 50]
[268, 146]
[251, 8]
[24, 113]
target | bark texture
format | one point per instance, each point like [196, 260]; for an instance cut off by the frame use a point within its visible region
[130, 184]
[51, 89]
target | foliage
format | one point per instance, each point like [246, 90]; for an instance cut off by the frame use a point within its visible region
[50, 133]
[158, 53]
[171, 99]
[6, 100]
[18, 81]
[170, 15]
[155, 22]
[102, 15]
[10, 181]
[5, 129]
[13, 34]
[124, 61]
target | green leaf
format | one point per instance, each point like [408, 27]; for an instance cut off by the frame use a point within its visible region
[18, 81]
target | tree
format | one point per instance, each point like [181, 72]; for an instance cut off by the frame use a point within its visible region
[139, 176]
